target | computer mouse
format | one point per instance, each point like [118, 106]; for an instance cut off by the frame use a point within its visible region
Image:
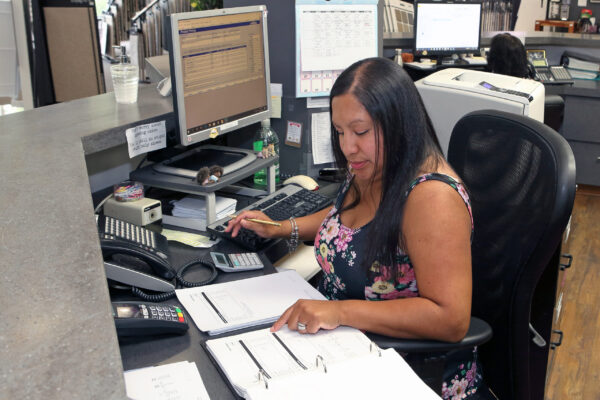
[302, 180]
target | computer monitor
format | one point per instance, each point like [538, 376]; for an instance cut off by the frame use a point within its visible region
[220, 83]
[446, 27]
[219, 71]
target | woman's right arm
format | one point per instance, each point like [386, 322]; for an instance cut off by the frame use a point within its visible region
[307, 226]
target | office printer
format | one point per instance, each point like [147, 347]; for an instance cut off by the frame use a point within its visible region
[451, 93]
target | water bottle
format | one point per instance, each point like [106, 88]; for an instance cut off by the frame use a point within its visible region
[266, 144]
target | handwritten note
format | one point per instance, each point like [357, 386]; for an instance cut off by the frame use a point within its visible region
[145, 138]
[177, 381]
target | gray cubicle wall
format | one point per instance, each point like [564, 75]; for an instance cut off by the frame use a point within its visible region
[282, 59]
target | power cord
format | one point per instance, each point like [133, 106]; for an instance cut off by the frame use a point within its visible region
[160, 297]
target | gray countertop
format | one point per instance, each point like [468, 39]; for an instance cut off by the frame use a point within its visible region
[57, 337]
[405, 40]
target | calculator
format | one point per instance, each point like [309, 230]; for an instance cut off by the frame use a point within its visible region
[236, 262]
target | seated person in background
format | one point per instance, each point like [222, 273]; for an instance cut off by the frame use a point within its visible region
[507, 56]
[395, 248]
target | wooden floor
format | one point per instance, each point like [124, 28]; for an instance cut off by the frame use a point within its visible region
[575, 372]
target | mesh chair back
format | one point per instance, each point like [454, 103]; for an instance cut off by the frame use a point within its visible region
[521, 178]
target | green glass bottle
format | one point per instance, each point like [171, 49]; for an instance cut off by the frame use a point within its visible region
[266, 144]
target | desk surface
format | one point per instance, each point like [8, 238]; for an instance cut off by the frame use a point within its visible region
[138, 352]
[580, 87]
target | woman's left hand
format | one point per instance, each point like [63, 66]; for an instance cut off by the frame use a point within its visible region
[311, 315]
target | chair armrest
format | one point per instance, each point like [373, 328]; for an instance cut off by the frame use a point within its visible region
[479, 332]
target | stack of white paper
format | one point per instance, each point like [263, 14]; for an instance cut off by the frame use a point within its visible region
[190, 211]
[180, 381]
[193, 206]
[228, 306]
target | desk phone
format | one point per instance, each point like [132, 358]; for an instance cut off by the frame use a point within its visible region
[542, 72]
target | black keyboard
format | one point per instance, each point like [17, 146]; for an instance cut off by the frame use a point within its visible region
[289, 201]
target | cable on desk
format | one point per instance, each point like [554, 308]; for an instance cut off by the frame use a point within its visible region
[183, 269]
[160, 297]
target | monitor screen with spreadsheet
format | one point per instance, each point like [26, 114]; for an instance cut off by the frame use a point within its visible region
[219, 71]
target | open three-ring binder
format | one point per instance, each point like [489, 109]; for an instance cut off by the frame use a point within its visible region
[340, 363]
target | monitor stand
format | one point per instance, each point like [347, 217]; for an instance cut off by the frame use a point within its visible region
[188, 164]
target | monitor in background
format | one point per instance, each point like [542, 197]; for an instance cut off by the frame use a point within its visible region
[220, 78]
[446, 28]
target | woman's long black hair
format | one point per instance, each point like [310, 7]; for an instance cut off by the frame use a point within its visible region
[507, 56]
[390, 97]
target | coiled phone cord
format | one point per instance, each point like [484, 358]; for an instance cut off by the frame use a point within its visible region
[159, 297]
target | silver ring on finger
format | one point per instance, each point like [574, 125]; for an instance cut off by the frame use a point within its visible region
[301, 326]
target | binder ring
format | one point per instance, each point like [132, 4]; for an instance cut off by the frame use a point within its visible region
[374, 345]
[262, 376]
[319, 357]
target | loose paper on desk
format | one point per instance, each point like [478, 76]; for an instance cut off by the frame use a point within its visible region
[303, 261]
[320, 130]
[228, 306]
[145, 138]
[191, 239]
[177, 381]
[349, 367]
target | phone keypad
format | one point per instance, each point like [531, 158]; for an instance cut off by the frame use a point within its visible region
[165, 312]
[560, 73]
[129, 231]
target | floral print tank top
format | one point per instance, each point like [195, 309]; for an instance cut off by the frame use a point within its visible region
[338, 249]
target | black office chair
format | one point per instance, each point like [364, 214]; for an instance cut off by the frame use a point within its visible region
[521, 178]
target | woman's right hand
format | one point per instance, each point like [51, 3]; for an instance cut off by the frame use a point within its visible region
[262, 230]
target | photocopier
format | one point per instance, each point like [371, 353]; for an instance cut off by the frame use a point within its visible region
[451, 93]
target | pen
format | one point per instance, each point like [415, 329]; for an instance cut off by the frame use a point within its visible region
[260, 221]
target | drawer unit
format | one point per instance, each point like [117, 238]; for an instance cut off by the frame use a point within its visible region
[581, 119]
[587, 161]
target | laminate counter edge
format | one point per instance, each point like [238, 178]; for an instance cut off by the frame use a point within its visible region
[57, 337]
[405, 40]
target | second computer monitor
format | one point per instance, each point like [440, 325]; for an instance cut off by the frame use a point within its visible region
[219, 71]
[446, 27]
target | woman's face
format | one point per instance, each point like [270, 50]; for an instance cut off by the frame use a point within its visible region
[357, 137]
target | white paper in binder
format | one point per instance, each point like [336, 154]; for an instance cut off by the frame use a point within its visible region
[334, 364]
[224, 307]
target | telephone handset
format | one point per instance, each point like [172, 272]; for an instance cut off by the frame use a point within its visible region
[128, 249]
[124, 239]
